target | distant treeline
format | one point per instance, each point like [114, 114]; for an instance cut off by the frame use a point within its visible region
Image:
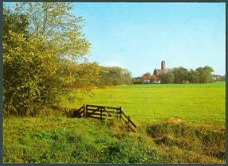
[181, 75]
[42, 44]
[88, 75]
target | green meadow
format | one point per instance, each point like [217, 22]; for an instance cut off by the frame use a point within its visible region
[175, 124]
[193, 103]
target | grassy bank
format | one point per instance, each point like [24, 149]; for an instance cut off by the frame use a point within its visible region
[73, 141]
[67, 140]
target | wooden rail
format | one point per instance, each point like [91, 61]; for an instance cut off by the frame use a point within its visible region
[104, 112]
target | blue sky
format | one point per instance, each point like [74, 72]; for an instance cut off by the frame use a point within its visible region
[137, 36]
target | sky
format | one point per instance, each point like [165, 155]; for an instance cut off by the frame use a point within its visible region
[138, 36]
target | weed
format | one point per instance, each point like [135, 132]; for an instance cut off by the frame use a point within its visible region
[188, 138]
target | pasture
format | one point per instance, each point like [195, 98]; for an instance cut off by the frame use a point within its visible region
[199, 136]
[199, 104]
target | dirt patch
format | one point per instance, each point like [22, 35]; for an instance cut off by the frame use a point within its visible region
[174, 121]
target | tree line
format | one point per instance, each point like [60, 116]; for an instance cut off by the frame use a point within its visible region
[181, 75]
[43, 44]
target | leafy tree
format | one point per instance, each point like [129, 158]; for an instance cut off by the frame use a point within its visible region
[168, 77]
[204, 74]
[193, 76]
[126, 77]
[114, 76]
[180, 75]
[35, 48]
[55, 26]
[14, 43]
[85, 75]
[14, 22]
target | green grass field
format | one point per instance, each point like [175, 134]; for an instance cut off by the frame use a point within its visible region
[193, 103]
[198, 138]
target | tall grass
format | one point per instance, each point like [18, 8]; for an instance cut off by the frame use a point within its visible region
[197, 142]
[67, 140]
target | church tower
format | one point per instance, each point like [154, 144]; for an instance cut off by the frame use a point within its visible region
[163, 65]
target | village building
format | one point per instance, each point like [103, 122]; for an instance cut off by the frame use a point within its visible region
[146, 78]
[152, 78]
[218, 77]
[137, 80]
[156, 77]
[159, 72]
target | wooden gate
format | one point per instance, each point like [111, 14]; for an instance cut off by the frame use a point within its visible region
[104, 112]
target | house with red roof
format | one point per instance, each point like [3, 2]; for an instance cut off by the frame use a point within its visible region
[148, 78]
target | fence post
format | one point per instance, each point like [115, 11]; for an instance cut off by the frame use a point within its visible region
[101, 112]
[120, 111]
[84, 110]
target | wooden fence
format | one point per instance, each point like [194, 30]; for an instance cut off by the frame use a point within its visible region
[104, 112]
